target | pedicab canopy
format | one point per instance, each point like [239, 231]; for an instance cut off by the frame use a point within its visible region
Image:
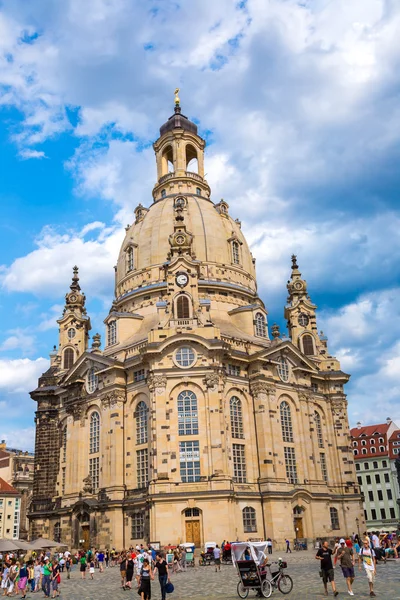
[257, 551]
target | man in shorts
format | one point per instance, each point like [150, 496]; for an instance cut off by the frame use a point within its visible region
[345, 556]
[324, 555]
[217, 558]
[368, 558]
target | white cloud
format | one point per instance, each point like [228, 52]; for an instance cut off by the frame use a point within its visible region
[21, 439]
[19, 340]
[28, 153]
[21, 375]
[48, 269]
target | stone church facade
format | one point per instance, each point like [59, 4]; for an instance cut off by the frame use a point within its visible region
[192, 424]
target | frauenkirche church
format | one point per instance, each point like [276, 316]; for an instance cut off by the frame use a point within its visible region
[192, 424]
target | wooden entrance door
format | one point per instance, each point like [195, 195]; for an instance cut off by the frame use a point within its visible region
[85, 537]
[193, 532]
[298, 527]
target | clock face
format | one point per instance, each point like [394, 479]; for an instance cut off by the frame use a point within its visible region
[303, 320]
[72, 298]
[182, 279]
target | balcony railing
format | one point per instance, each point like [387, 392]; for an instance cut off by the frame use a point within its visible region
[189, 174]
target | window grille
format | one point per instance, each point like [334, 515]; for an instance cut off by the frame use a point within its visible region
[318, 427]
[290, 463]
[94, 472]
[334, 518]
[94, 433]
[142, 413]
[249, 520]
[182, 307]
[235, 253]
[92, 380]
[188, 423]
[283, 369]
[112, 333]
[189, 459]
[130, 263]
[68, 358]
[139, 375]
[142, 468]
[235, 405]
[137, 526]
[64, 444]
[239, 463]
[286, 422]
[233, 370]
[185, 356]
[63, 470]
[308, 345]
[324, 469]
[261, 328]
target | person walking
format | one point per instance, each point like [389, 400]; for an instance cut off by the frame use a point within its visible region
[130, 565]
[183, 558]
[217, 558]
[163, 574]
[23, 579]
[55, 578]
[91, 569]
[288, 546]
[368, 558]
[345, 556]
[269, 545]
[145, 580]
[122, 570]
[46, 578]
[324, 555]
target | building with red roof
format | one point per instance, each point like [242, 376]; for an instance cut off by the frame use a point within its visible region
[10, 506]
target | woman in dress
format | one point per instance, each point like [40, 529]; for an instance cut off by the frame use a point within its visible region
[145, 577]
[129, 571]
[23, 579]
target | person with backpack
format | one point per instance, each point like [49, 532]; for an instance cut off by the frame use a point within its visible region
[368, 558]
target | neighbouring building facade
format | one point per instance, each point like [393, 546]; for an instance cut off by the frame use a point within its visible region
[192, 423]
[10, 507]
[16, 468]
[377, 474]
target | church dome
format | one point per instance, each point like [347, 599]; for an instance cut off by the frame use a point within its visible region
[216, 242]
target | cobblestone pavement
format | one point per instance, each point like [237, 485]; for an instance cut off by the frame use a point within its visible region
[204, 583]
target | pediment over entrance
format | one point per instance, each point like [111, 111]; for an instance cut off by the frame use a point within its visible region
[86, 362]
[287, 350]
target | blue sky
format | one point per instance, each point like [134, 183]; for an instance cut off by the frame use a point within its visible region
[299, 103]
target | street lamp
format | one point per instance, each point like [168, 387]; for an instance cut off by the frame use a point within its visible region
[358, 526]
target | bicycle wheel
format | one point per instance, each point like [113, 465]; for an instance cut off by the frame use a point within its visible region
[242, 591]
[285, 584]
[266, 588]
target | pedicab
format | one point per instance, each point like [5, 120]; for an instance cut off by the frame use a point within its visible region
[248, 558]
[207, 556]
[189, 547]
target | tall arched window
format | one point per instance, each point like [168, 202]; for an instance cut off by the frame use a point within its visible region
[130, 263]
[318, 427]
[94, 433]
[64, 444]
[286, 422]
[68, 358]
[334, 518]
[112, 333]
[182, 307]
[188, 422]
[142, 413]
[235, 253]
[57, 532]
[261, 328]
[235, 405]
[249, 519]
[308, 345]
[94, 449]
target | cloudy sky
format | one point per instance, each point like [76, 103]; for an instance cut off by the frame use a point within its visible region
[299, 104]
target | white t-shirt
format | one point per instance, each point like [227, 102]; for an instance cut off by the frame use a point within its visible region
[367, 556]
[375, 541]
[217, 552]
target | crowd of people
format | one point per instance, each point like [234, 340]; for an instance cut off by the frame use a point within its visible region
[351, 551]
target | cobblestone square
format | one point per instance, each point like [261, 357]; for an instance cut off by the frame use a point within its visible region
[205, 583]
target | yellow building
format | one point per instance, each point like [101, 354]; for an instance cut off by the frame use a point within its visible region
[192, 424]
[10, 507]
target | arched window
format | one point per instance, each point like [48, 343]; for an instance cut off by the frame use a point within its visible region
[364, 451]
[64, 444]
[373, 450]
[372, 442]
[163, 193]
[182, 307]
[308, 345]
[57, 532]
[191, 159]
[381, 448]
[286, 422]
[112, 333]
[68, 358]
[249, 519]
[261, 328]
[188, 422]
[355, 444]
[235, 405]
[94, 433]
[334, 518]
[355, 452]
[141, 414]
[167, 161]
[236, 253]
[363, 443]
[130, 263]
[198, 192]
[318, 427]
[91, 380]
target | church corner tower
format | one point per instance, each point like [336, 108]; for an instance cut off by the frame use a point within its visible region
[191, 424]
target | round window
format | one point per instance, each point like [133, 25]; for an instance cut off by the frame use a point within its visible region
[185, 357]
[303, 320]
[283, 369]
[71, 333]
[91, 381]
